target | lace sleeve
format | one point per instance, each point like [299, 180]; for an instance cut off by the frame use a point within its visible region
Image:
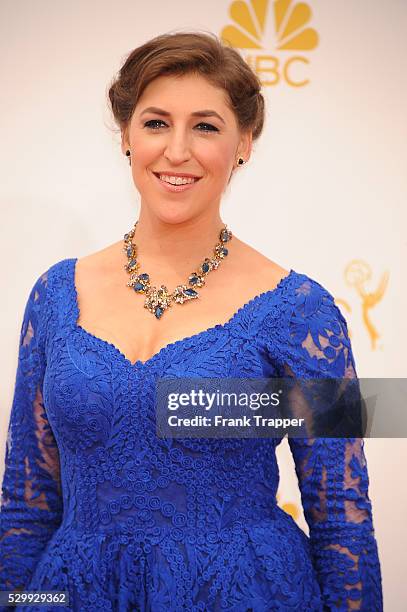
[332, 472]
[31, 506]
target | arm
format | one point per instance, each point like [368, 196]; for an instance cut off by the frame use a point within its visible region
[332, 472]
[31, 504]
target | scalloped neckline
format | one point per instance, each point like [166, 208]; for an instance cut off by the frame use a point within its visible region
[170, 345]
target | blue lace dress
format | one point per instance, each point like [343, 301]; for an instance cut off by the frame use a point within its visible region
[95, 503]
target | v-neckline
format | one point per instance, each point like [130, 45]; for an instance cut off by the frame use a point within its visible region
[208, 331]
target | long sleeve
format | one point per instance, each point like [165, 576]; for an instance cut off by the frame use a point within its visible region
[31, 503]
[332, 472]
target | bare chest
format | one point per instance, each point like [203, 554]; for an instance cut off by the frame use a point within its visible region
[116, 313]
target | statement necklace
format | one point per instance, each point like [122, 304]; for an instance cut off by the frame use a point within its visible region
[158, 300]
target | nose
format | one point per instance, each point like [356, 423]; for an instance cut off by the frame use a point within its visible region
[178, 146]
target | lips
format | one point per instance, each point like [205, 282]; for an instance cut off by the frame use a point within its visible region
[197, 178]
[171, 188]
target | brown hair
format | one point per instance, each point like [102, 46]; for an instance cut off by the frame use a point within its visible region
[189, 52]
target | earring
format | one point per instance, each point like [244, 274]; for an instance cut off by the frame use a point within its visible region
[240, 161]
[128, 155]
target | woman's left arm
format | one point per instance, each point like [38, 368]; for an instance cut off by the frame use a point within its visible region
[332, 472]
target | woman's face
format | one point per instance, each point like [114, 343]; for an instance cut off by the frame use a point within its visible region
[171, 139]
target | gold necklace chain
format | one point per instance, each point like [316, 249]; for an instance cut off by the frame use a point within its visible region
[158, 300]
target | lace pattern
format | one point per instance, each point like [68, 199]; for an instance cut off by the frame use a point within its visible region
[31, 506]
[332, 472]
[95, 503]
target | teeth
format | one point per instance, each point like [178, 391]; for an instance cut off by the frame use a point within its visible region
[176, 180]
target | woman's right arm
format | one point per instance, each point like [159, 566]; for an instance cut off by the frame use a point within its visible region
[31, 503]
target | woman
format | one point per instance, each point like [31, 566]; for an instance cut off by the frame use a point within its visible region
[94, 502]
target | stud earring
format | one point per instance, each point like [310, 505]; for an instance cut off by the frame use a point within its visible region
[240, 161]
[128, 155]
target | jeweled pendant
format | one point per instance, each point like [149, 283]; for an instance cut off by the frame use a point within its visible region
[157, 300]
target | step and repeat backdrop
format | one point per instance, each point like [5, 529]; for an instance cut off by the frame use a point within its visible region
[323, 193]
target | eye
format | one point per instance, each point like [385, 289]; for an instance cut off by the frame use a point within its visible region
[213, 128]
[150, 123]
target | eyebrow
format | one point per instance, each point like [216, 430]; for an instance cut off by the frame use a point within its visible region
[201, 113]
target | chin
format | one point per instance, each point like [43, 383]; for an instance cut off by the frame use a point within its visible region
[173, 213]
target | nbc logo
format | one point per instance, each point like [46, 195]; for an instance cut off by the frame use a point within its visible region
[282, 26]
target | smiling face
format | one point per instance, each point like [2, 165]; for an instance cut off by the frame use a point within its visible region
[167, 136]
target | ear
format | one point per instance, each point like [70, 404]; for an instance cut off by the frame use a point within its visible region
[245, 145]
[125, 140]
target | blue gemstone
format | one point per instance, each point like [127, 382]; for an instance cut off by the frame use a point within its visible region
[132, 263]
[158, 312]
[138, 287]
[224, 236]
[190, 292]
[144, 276]
[225, 251]
[126, 236]
[205, 267]
[129, 251]
[193, 280]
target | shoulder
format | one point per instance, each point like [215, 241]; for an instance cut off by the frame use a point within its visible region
[251, 266]
[306, 325]
[295, 297]
[57, 281]
[307, 303]
[50, 280]
[45, 285]
[38, 306]
[64, 269]
[102, 261]
[268, 274]
[313, 302]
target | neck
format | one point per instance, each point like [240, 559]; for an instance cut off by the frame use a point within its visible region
[175, 249]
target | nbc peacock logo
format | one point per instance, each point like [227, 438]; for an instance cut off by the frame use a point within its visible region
[282, 25]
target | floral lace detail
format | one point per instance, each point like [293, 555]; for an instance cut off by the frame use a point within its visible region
[31, 506]
[95, 503]
[332, 472]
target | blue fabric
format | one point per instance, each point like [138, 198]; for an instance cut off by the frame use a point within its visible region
[96, 504]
